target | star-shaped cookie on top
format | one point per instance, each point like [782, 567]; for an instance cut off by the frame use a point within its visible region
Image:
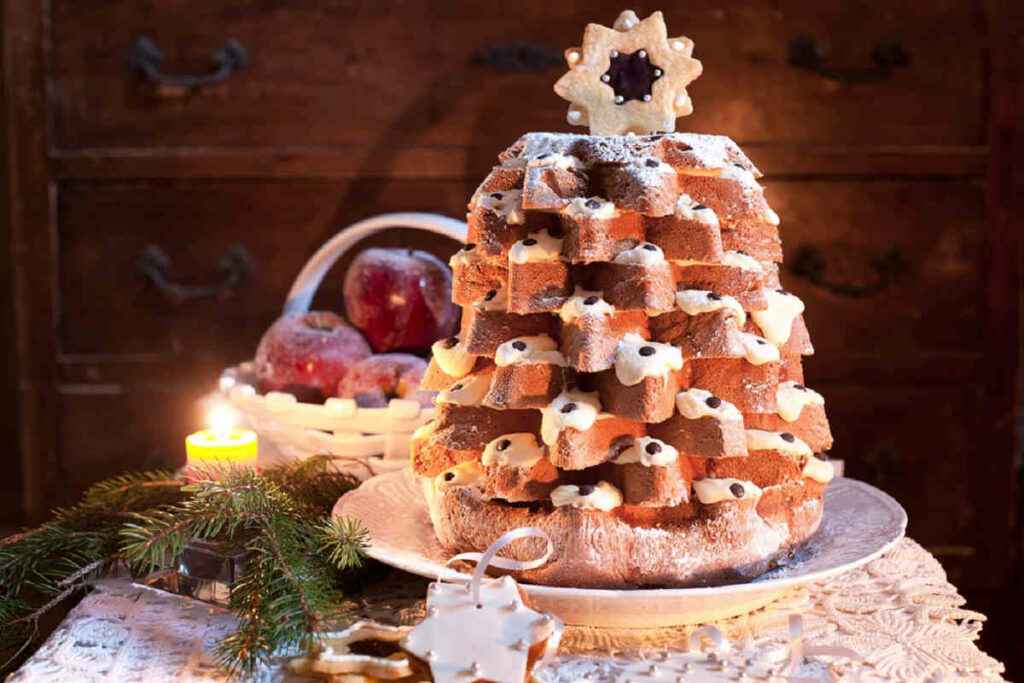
[630, 78]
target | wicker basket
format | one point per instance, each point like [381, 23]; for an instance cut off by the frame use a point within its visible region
[366, 441]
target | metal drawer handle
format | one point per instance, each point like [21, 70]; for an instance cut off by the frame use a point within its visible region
[145, 57]
[810, 264]
[888, 55]
[155, 265]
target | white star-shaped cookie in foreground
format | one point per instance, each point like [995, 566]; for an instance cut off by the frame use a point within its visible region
[631, 78]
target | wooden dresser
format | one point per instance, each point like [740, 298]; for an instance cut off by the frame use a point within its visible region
[889, 133]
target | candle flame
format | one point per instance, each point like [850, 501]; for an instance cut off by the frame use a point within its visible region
[221, 418]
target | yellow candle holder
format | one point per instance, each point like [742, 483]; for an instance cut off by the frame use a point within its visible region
[233, 446]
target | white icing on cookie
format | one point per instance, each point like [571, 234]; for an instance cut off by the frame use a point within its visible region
[463, 474]
[757, 350]
[819, 470]
[590, 207]
[570, 410]
[697, 301]
[453, 359]
[523, 350]
[584, 302]
[538, 246]
[791, 397]
[637, 358]
[507, 203]
[555, 160]
[696, 403]
[743, 261]
[711, 491]
[468, 391]
[649, 452]
[494, 300]
[776, 321]
[602, 497]
[690, 209]
[643, 254]
[519, 450]
[784, 442]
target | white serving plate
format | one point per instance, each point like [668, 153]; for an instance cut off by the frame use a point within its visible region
[859, 524]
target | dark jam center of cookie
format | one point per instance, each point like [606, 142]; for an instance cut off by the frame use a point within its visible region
[503, 444]
[787, 437]
[713, 401]
[529, 242]
[590, 300]
[650, 247]
[714, 297]
[519, 346]
[449, 476]
[737, 490]
[587, 489]
[631, 75]
[653, 447]
[490, 294]
[647, 351]
[568, 407]
[451, 342]
[592, 204]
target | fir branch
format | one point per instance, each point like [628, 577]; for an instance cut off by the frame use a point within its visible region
[343, 542]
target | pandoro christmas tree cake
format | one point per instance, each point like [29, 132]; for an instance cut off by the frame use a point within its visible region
[627, 376]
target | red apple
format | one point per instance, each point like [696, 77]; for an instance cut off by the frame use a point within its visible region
[307, 354]
[400, 298]
[373, 381]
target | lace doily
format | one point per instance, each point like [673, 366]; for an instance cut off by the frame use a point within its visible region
[899, 613]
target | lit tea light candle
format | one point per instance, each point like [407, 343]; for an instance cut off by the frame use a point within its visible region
[223, 443]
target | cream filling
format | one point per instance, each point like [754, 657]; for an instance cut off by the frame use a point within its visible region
[461, 257]
[771, 217]
[590, 207]
[758, 351]
[468, 391]
[538, 246]
[570, 410]
[819, 470]
[776, 321]
[506, 203]
[686, 208]
[602, 497]
[556, 160]
[523, 350]
[453, 360]
[649, 452]
[643, 254]
[710, 491]
[497, 302]
[784, 442]
[581, 303]
[697, 301]
[743, 261]
[463, 474]
[519, 450]
[693, 404]
[791, 398]
[637, 358]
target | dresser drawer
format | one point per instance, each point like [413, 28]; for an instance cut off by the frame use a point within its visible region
[467, 74]
[112, 315]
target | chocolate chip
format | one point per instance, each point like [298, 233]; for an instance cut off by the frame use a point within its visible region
[740, 251]
[451, 342]
[647, 351]
[652, 163]
[713, 401]
[587, 489]
[650, 247]
[760, 341]
[569, 407]
[503, 444]
[800, 387]
[545, 155]
[737, 165]
[449, 476]
[529, 242]
[787, 437]
[737, 490]
[490, 294]
[455, 387]
[714, 297]
[469, 247]
[519, 345]
[653, 447]
[782, 291]
[496, 195]
[591, 300]
[699, 207]
[592, 204]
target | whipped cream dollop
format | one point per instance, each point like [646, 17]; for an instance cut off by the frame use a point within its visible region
[637, 358]
[690, 209]
[468, 391]
[537, 246]
[508, 204]
[464, 256]
[697, 301]
[536, 349]
[770, 217]
[776, 321]
[758, 350]
[647, 451]
[784, 442]
[819, 470]
[452, 357]
[741, 260]
[696, 403]
[711, 491]
[556, 160]
[493, 300]
[519, 450]
[584, 302]
[464, 474]
[791, 397]
[603, 496]
[590, 207]
[643, 254]
[572, 409]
